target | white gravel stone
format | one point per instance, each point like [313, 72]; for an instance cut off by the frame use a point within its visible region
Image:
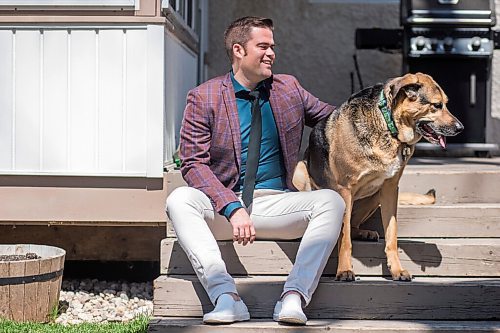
[123, 295]
[101, 301]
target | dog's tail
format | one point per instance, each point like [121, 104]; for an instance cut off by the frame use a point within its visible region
[407, 198]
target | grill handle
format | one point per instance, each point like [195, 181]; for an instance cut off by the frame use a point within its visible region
[472, 97]
[412, 20]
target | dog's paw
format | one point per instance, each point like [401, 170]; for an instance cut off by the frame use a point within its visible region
[402, 275]
[346, 276]
[365, 235]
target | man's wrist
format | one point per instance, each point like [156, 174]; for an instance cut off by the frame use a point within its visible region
[230, 208]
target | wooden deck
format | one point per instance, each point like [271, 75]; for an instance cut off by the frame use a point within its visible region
[194, 325]
[452, 249]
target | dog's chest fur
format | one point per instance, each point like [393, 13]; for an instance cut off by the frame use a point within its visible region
[375, 155]
[372, 177]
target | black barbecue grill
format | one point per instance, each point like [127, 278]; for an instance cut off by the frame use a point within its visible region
[453, 41]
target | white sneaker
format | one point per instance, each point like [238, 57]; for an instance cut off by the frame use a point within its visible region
[289, 310]
[227, 311]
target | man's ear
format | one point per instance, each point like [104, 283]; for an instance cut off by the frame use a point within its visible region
[239, 51]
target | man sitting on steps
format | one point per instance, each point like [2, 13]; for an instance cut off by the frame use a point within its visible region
[239, 145]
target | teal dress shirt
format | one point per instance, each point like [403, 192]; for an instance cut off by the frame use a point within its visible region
[271, 171]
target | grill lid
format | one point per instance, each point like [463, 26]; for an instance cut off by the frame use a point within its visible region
[448, 12]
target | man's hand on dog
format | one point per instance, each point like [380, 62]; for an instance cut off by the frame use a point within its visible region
[243, 230]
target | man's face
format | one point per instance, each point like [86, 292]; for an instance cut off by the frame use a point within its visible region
[258, 55]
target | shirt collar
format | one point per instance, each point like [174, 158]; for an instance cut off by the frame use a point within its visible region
[239, 87]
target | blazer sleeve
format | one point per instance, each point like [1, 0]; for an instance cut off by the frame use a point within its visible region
[315, 110]
[195, 142]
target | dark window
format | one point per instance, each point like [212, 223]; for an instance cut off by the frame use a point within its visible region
[189, 10]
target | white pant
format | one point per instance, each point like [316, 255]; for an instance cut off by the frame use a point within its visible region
[315, 216]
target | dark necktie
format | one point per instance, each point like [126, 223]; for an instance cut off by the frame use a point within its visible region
[253, 152]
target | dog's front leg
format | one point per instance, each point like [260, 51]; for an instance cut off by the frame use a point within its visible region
[344, 269]
[388, 209]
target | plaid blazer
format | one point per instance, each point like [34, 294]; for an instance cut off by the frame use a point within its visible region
[210, 137]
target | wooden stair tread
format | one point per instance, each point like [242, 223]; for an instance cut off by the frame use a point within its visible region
[421, 257]
[450, 220]
[465, 182]
[194, 325]
[444, 220]
[447, 164]
[365, 280]
[367, 298]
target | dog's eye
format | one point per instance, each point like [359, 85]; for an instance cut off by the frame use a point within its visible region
[438, 105]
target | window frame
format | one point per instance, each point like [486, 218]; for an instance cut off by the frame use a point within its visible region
[180, 12]
[70, 4]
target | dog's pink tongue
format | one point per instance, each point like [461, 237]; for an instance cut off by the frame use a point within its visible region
[442, 141]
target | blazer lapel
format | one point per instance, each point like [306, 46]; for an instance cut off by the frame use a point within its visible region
[232, 115]
[277, 106]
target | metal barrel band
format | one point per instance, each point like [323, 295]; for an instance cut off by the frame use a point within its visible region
[30, 279]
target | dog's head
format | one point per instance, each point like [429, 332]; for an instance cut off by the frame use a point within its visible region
[418, 107]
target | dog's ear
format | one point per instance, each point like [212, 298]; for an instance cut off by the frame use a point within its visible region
[411, 91]
[407, 84]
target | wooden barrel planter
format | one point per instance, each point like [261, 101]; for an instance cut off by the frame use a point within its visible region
[29, 288]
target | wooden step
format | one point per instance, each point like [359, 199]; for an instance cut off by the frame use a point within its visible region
[421, 257]
[367, 298]
[453, 220]
[456, 164]
[190, 325]
[456, 180]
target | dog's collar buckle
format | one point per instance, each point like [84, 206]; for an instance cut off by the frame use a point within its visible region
[406, 152]
[382, 105]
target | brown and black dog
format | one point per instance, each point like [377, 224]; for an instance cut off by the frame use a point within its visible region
[361, 153]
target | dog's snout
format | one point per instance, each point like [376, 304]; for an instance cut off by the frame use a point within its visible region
[458, 127]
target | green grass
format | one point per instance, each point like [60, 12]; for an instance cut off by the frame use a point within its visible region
[139, 325]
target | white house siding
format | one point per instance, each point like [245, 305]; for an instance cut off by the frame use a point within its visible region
[181, 70]
[82, 100]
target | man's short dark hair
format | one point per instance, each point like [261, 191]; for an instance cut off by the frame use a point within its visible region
[238, 32]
